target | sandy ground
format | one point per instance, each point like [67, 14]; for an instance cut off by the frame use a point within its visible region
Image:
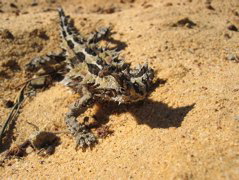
[188, 129]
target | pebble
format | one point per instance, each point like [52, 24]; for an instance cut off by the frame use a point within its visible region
[232, 27]
[6, 34]
[233, 57]
[39, 33]
[39, 82]
[8, 103]
[185, 22]
[12, 5]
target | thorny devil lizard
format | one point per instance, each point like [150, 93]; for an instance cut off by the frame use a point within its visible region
[97, 73]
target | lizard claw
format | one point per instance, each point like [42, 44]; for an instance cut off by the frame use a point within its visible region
[84, 140]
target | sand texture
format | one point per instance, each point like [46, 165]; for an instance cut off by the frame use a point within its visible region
[187, 129]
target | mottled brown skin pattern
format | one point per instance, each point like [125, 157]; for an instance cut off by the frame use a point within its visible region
[97, 73]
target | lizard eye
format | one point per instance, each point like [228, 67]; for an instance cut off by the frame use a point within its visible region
[78, 78]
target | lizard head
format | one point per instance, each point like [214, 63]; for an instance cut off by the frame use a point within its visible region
[137, 83]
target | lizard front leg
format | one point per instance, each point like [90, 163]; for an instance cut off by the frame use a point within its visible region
[83, 135]
[98, 35]
[46, 62]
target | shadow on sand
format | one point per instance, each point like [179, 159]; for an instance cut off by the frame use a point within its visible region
[9, 138]
[154, 114]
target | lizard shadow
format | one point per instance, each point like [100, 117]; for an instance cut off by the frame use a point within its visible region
[152, 113]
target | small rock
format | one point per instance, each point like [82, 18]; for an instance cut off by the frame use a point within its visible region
[185, 22]
[232, 27]
[43, 35]
[209, 6]
[51, 1]
[34, 4]
[13, 5]
[25, 12]
[41, 161]
[106, 10]
[168, 4]
[127, 1]
[47, 9]
[6, 34]
[236, 13]
[38, 83]
[227, 36]
[39, 33]
[29, 150]
[17, 12]
[233, 57]
[8, 103]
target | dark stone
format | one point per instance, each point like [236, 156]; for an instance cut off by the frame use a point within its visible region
[8, 103]
[12, 5]
[232, 27]
[185, 22]
[6, 34]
